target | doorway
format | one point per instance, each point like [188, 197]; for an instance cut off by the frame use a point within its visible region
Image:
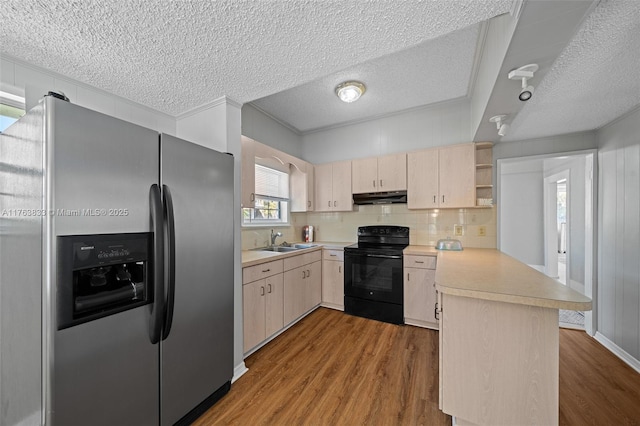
[546, 216]
[557, 226]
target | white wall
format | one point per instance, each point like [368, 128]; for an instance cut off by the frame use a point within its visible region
[33, 83]
[619, 234]
[443, 124]
[262, 128]
[521, 210]
[497, 38]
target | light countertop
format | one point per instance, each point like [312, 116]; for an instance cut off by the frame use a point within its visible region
[492, 275]
[421, 250]
[255, 257]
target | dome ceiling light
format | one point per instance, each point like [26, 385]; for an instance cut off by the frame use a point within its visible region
[350, 91]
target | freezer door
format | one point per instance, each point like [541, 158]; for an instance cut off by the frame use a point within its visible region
[107, 372]
[100, 170]
[197, 354]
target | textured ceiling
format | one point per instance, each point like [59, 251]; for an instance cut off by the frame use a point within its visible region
[434, 71]
[593, 81]
[177, 55]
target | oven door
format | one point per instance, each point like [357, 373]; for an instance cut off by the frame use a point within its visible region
[373, 276]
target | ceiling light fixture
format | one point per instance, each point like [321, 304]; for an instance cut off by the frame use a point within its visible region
[350, 91]
[524, 73]
[502, 127]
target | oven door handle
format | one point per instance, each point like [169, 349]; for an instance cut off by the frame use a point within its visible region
[383, 256]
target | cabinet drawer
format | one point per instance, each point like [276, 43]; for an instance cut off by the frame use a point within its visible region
[301, 259]
[423, 262]
[263, 270]
[328, 254]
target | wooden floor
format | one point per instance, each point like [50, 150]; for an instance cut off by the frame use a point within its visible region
[335, 369]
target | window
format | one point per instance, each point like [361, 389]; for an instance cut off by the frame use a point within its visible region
[11, 109]
[272, 198]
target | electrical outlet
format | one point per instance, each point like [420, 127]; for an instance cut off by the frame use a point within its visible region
[457, 230]
[482, 231]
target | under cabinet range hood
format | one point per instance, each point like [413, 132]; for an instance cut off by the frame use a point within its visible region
[380, 198]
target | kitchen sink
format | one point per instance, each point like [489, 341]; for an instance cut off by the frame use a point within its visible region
[304, 246]
[283, 249]
[279, 249]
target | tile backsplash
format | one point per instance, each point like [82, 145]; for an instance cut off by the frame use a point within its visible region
[426, 226]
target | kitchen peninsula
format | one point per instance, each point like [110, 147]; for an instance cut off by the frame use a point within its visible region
[499, 346]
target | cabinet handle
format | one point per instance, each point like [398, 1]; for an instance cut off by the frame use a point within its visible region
[304, 274]
[252, 197]
[434, 199]
[333, 255]
[339, 269]
[329, 203]
[261, 290]
[374, 183]
[266, 270]
[380, 183]
[269, 288]
[335, 203]
[309, 203]
[436, 313]
[408, 276]
[419, 261]
[308, 273]
[443, 198]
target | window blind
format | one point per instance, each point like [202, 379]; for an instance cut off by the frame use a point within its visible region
[271, 184]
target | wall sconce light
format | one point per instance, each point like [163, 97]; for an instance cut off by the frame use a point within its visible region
[502, 127]
[524, 73]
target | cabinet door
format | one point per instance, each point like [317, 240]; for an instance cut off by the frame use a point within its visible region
[333, 282]
[313, 285]
[392, 173]
[310, 187]
[342, 196]
[248, 178]
[422, 179]
[457, 176]
[302, 188]
[294, 293]
[419, 294]
[364, 175]
[253, 307]
[324, 187]
[274, 304]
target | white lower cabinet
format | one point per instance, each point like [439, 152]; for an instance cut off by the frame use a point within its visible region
[302, 290]
[278, 293]
[333, 279]
[262, 302]
[420, 294]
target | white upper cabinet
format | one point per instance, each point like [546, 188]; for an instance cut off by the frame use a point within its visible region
[422, 179]
[442, 177]
[302, 188]
[457, 176]
[248, 178]
[333, 187]
[379, 174]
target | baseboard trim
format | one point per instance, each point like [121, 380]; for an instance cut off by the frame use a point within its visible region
[332, 306]
[422, 324]
[239, 371]
[618, 351]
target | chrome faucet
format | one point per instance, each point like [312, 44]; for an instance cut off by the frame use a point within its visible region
[274, 236]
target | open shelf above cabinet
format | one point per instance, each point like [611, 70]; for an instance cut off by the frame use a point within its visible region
[484, 174]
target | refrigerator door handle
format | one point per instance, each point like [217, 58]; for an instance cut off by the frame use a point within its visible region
[157, 307]
[171, 276]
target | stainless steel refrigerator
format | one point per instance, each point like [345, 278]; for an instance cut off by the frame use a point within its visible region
[116, 272]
